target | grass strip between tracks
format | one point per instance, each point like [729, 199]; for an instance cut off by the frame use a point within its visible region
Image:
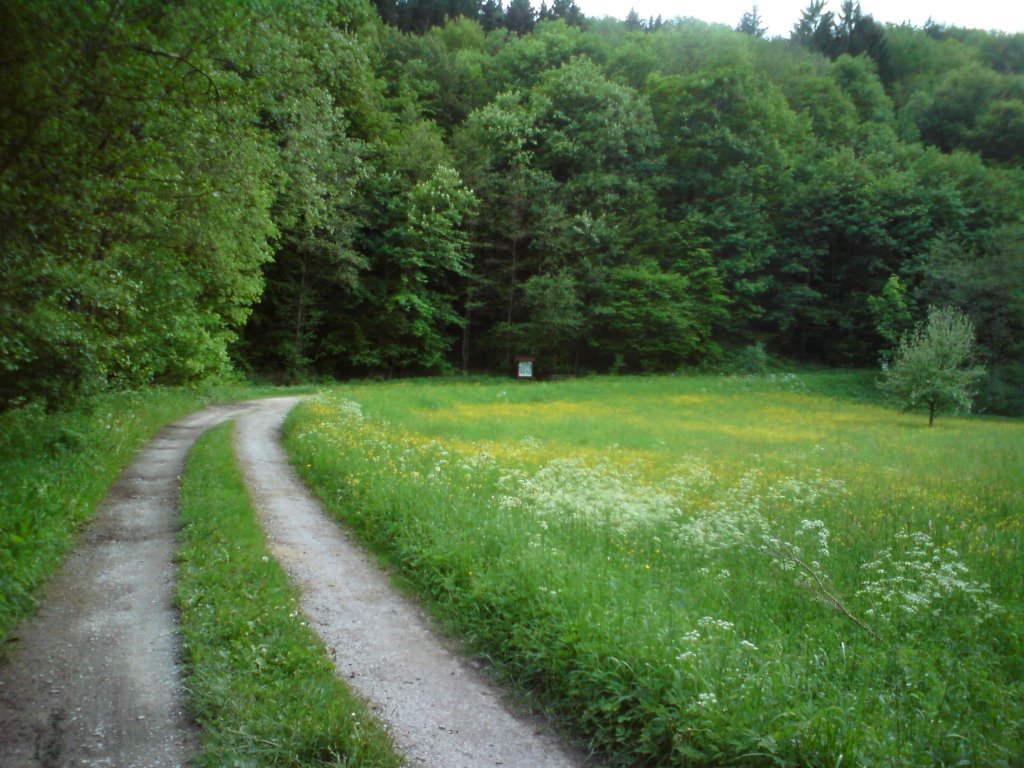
[260, 682]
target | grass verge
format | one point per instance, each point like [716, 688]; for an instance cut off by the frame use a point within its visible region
[260, 682]
[55, 469]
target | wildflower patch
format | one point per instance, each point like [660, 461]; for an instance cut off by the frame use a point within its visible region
[687, 587]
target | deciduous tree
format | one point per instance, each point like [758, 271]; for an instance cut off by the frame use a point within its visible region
[933, 366]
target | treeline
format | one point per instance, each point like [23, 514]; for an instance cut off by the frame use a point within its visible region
[326, 188]
[419, 16]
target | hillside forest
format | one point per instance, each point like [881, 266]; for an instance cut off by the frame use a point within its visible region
[334, 188]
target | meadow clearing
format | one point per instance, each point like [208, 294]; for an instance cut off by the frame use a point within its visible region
[704, 570]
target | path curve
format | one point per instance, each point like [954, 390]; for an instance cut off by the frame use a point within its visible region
[439, 709]
[94, 678]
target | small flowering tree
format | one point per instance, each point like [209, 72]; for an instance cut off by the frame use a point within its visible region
[933, 364]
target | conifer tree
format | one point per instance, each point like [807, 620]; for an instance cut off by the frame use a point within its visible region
[751, 23]
[519, 17]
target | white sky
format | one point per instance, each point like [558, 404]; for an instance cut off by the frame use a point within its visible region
[780, 15]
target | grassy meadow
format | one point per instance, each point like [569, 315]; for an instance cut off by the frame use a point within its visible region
[704, 570]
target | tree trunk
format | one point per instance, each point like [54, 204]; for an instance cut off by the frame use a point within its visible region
[931, 412]
[300, 313]
[511, 303]
[465, 333]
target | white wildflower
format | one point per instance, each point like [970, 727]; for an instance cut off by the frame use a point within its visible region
[923, 579]
[710, 622]
[706, 699]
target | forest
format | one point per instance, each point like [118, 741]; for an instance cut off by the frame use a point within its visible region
[332, 188]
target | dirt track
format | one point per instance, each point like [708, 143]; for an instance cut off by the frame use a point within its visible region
[94, 679]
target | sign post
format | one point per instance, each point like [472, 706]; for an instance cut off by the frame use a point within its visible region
[524, 368]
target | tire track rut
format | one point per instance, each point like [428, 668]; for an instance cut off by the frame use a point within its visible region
[440, 710]
[95, 680]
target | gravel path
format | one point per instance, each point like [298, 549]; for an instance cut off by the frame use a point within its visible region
[94, 678]
[439, 709]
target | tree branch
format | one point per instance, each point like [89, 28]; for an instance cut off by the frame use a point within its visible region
[837, 604]
[183, 59]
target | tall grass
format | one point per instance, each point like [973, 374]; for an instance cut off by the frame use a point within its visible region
[706, 570]
[260, 682]
[55, 468]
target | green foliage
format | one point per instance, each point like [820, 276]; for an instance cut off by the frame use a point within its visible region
[932, 366]
[261, 684]
[557, 316]
[989, 282]
[858, 77]
[752, 360]
[172, 178]
[422, 254]
[519, 17]
[850, 33]
[726, 131]
[891, 310]
[135, 193]
[317, 98]
[653, 322]
[595, 136]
